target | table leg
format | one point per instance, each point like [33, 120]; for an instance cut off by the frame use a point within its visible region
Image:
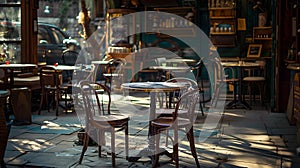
[150, 150]
[239, 102]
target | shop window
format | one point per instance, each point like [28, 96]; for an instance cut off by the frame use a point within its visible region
[10, 32]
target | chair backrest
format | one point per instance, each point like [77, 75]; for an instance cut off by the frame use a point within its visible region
[257, 71]
[4, 74]
[187, 102]
[190, 84]
[160, 61]
[230, 73]
[262, 67]
[69, 57]
[96, 99]
[49, 77]
[199, 68]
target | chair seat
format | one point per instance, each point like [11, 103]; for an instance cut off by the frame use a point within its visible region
[33, 82]
[112, 75]
[112, 119]
[51, 87]
[4, 93]
[254, 79]
[168, 122]
[96, 101]
[169, 111]
[231, 80]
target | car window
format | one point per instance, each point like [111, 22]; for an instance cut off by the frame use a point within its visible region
[43, 36]
[58, 36]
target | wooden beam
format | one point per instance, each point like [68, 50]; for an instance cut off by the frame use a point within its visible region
[29, 31]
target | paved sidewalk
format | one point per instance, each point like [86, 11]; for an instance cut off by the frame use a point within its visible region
[254, 139]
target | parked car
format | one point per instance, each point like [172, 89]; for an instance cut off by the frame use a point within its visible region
[52, 41]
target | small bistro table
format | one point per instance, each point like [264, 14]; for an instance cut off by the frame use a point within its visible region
[13, 67]
[152, 88]
[240, 66]
[175, 70]
[64, 67]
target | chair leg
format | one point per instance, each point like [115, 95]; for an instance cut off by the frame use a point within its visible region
[99, 150]
[126, 141]
[261, 92]
[201, 102]
[66, 101]
[41, 102]
[190, 136]
[234, 91]
[167, 138]
[156, 153]
[249, 90]
[47, 100]
[56, 101]
[175, 148]
[85, 145]
[113, 150]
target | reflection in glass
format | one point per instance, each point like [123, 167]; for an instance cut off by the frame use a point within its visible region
[10, 1]
[10, 23]
[10, 52]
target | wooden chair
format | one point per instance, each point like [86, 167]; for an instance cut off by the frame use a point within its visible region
[114, 72]
[171, 99]
[204, 88]
[69, 57]
[231, 79]
[223, 76]
[51, 85]
[256, 77]
[187, 102]
[96, 102]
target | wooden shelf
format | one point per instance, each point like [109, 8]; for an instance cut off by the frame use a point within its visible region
[262, 38]
[224, 45]
[177, 32]
[119, 55]
[257, 28]
[222, 17]
[222, 8]
[260, 32]
[173, 26]
[222, 33]
[262, 35]
[120, 11]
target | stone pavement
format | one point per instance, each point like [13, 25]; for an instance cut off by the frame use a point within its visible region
[255, 138]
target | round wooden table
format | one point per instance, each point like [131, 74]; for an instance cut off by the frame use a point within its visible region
[240, 66]
[12, 67]
[152, 88]
[64, 67]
